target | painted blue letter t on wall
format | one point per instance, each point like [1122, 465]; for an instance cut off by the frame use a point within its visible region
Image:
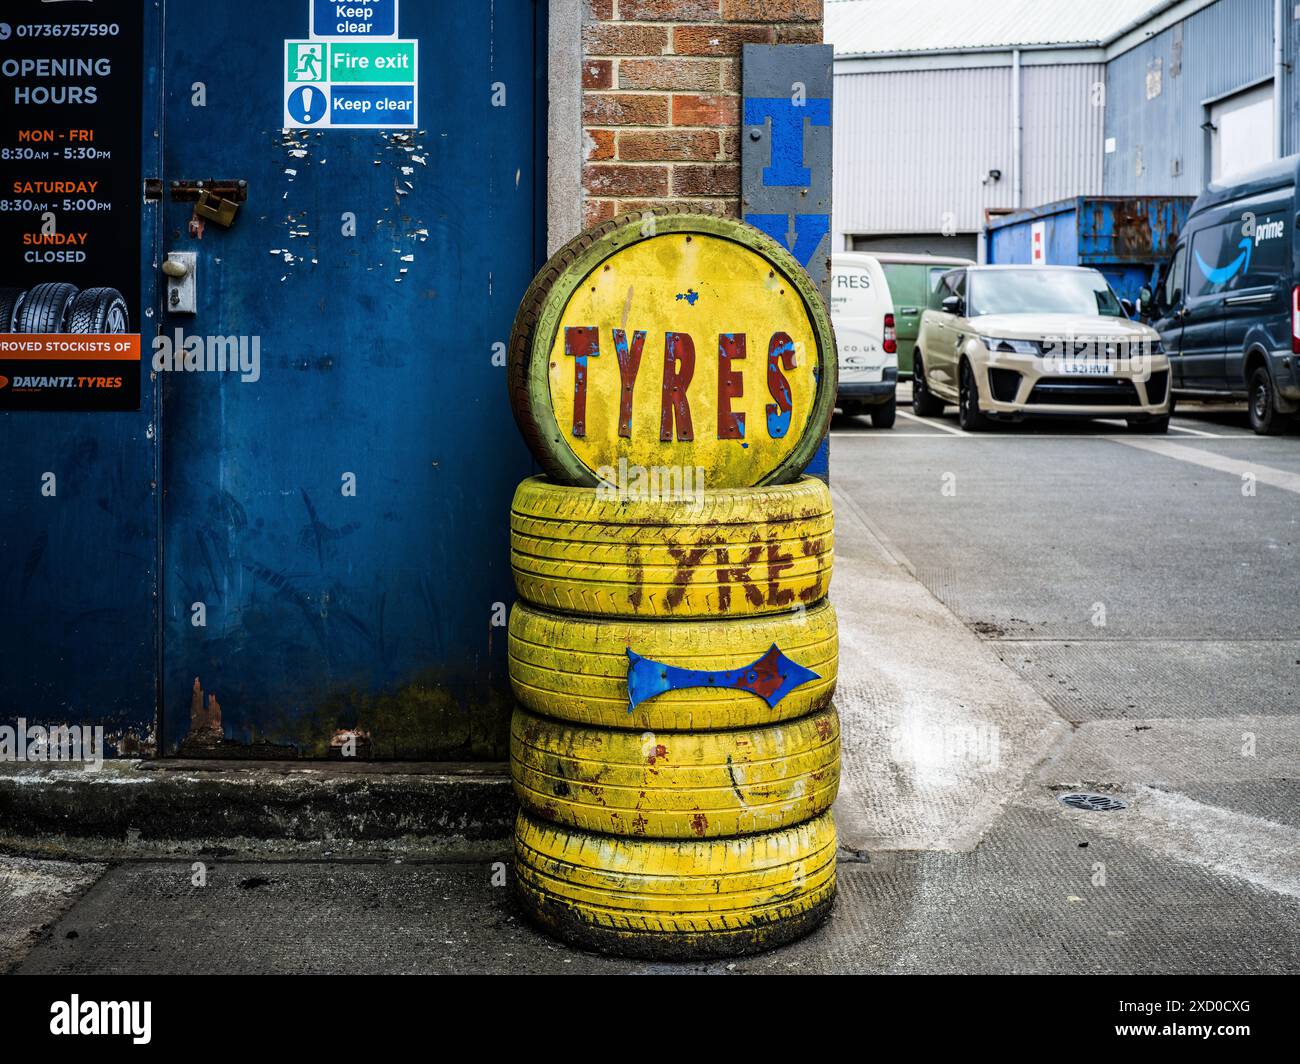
[786, 166]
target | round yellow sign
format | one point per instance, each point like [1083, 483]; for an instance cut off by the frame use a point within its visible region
[697, 350]
[684, 350]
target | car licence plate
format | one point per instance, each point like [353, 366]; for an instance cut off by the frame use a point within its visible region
[1086, 367]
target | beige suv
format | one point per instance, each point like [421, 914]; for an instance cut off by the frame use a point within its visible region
[1006, 342]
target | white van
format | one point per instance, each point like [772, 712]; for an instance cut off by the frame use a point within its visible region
[862, 312]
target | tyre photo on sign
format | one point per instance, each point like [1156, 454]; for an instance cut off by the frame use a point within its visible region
[101, 311]
[9, 302]
[45, 308]
[10, 299]
[673, 341]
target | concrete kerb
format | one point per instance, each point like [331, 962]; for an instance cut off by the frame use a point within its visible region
[301, 810]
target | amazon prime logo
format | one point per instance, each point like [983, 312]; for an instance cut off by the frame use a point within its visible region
[1253, 233]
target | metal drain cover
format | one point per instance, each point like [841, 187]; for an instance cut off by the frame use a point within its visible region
[1096, 803]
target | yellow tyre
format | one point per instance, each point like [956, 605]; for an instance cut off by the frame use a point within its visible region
[730, 553]
[575, 669]
[676, 899]
[676, 785]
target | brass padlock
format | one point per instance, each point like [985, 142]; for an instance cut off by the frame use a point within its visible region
[214, 208]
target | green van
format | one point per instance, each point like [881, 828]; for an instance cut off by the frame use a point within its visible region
[913, 281]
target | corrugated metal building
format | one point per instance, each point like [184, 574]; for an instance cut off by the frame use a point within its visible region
[1191, 95]
[947, 110]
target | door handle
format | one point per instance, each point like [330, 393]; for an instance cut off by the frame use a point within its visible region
[182, 288]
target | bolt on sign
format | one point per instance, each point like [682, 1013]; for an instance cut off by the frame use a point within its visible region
[680, 341]
[354, 73]
[71, 86]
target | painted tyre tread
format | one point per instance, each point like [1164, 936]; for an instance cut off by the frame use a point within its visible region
[676, 785]
[676, 899]
[527, 382]
[580, 551]
[575, 669]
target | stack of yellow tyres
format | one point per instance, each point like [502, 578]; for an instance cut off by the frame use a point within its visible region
[673, 656]
[697, 825]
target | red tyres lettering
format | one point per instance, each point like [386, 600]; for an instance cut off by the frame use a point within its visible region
[679, 368]
[780, 353]
[731, 385]
[729, 575]
[811, 548]
[581, 342]
[629, 364]
[776, 564]
[688, 561]
[636, 572]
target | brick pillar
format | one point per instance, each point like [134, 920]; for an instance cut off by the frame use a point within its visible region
[661, 98]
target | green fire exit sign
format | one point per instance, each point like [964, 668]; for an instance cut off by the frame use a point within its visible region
[350, 62]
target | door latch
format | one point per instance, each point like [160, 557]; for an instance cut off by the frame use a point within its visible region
[214, 201]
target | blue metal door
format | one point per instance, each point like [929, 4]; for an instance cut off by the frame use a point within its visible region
[335, 507]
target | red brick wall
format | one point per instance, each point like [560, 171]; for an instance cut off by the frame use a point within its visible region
[661, 98]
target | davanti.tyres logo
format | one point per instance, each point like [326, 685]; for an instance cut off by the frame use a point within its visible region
[4, 382]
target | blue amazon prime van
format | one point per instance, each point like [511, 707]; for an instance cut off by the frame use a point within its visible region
[1228, 306]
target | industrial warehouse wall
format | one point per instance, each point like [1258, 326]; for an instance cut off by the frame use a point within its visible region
[661, 98]
[913, 147]
[1291, 82]
[1155, 94]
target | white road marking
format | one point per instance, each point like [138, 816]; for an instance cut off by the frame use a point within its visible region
[1277, 478]
[931, 423]
[887, 435]
[890, 434]
[1259, 851]
[1194, 432]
